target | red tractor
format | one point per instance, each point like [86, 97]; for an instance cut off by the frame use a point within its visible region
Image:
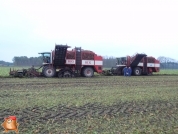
[69, 63]
[140, 64]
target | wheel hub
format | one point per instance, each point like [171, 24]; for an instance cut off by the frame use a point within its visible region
[137, 71]
[88, 72]
[49, 71]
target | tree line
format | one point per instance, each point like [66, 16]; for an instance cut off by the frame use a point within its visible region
[37, 61]
[108, 62]
[168, 63]
[4, 63]
[25, 61]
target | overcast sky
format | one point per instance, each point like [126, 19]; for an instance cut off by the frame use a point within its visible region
[107, 27]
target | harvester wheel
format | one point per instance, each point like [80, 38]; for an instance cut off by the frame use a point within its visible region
[49, 72]
[60, 74]
[67, 74]
[137, 71]
[88, 72]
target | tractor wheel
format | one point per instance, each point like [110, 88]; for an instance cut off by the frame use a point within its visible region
[137, 71]
[49, 72]
[88, 72]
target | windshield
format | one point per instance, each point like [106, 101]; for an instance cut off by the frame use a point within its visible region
[47, 54]
[121, 61]
[46, 57]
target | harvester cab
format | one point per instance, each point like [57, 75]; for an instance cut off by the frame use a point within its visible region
[46, 57]
[121, 61]
[120, 64]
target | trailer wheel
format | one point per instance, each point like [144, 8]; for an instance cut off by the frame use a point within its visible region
[88, 72]
[137, 71]
[49, 72]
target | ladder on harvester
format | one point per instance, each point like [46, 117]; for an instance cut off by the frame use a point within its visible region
[137, 59]
[60, 55]
[78, 60]
[145, 71]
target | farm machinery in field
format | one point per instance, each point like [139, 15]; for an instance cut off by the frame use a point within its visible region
[141, 64]
[62, 62]
[65, 63]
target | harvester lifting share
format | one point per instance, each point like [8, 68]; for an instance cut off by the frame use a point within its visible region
[30, 72]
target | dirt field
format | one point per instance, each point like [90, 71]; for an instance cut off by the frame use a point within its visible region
[145, 104]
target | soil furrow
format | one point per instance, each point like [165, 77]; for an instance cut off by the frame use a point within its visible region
[27, 115]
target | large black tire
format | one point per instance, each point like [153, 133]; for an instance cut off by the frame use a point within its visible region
[49, 72]
[88, 72]
[65, 74]
[137, 71]
[68, 74]
[60, 74]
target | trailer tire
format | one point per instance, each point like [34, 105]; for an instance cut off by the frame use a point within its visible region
[137, 71]
[49, 72]
[88, 72]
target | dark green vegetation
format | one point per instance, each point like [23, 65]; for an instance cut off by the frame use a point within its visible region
[118, 105]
